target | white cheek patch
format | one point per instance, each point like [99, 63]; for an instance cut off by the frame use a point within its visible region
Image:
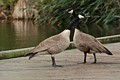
[71, 11]
[80, 16]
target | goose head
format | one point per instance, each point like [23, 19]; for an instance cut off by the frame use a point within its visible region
[71, 11]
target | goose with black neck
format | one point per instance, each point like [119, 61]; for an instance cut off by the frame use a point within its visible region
[53, 45]
[85, 42]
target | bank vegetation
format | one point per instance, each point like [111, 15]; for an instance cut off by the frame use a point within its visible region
[49, 12]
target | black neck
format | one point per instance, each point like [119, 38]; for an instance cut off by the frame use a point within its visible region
[77, 21]
[78, 25]
[69, 27]
[74, 14]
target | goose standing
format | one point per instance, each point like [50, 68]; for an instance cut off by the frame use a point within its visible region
[85, 42]
[53, 45]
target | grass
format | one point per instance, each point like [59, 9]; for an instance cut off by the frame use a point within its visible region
[50, 12]
[8, 4]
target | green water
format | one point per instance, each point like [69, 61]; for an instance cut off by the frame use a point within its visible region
[22, 34]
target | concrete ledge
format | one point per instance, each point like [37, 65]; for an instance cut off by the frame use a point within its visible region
[109, 39]
[14, 53]
[21, 52]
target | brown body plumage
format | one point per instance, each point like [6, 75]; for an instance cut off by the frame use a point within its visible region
[52, 45]
[88, 42]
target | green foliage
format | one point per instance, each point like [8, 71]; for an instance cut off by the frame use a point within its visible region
[50, 11]
[6, 1]
[9, 4]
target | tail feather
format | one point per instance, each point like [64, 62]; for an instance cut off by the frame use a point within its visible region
[31, 55]
[107, 51]
[28, 54]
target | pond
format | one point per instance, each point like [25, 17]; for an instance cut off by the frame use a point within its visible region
[21, 34]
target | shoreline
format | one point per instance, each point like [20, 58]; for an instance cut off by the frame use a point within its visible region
[21, 52]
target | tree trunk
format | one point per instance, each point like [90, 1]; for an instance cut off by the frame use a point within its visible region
[23, 11]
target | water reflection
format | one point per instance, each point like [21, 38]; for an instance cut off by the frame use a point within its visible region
[25, 32]
[100, 31]
[20, 34]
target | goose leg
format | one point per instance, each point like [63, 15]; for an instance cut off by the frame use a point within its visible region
[95, 59]
[54, 63]
[85, 55]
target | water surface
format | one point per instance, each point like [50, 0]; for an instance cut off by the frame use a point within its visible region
[22, 34]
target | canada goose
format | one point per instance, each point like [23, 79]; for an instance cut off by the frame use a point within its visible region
[54, 44]
[87, 43]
